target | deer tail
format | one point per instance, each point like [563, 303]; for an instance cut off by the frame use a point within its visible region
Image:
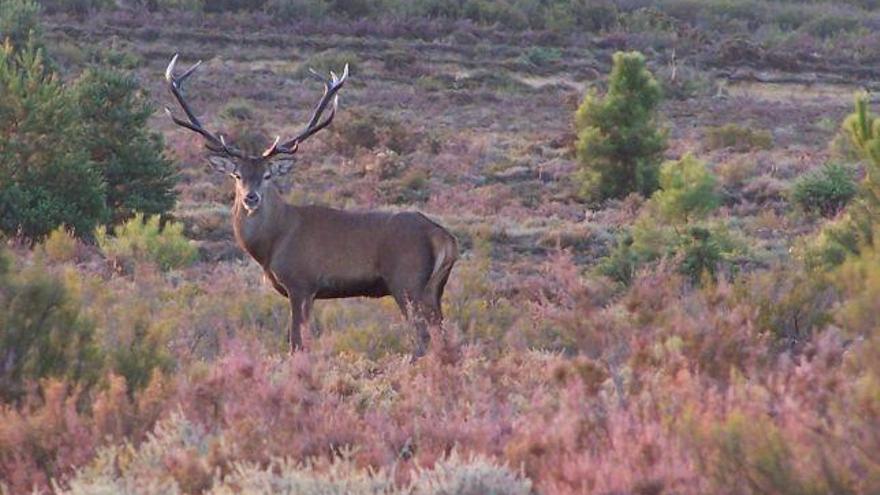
[445, 255]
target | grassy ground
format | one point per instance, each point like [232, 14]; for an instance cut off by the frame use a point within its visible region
[548, 373]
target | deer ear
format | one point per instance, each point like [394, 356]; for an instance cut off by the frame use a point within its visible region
[281, 167]
[222, 164]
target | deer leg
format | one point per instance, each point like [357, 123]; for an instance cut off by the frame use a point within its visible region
[300, 311]
[294, 329]
[414, 313]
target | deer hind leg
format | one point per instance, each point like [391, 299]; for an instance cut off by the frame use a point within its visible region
[411, 304]
[300, 311]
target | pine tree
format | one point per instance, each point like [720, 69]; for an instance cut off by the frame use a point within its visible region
[858, 227]
[46, 178]
[114, 112]
[620, 144]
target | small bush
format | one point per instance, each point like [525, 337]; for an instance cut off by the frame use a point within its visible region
[826, 191]
[832, 25]
[687, 190]
[43, 333]
[60, 246]
[738, 137]
[19, 20]
[475, 476]
[326, 61]
[619, 141]
[76, 7]
[144, 239]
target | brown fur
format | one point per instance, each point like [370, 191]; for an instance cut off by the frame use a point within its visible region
[314, 252]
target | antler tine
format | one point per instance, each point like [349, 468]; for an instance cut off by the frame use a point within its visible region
[331, 88]
[215, 143]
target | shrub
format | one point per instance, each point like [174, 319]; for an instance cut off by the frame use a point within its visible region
[19, 21]
[738, 137]
[474, 476]
[43, 333]
[850, 234]
[619, 143]
[47, 177]
[60, 246]
[76, 7]
[143, 238]
[687, 190]
[327, 60]
[826, 191]
[114, 111]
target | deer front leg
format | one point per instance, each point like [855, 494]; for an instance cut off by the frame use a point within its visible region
[300, 311]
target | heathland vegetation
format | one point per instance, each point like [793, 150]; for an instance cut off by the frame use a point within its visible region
[668, 214]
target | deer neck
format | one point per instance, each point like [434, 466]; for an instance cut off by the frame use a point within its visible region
[257, 232]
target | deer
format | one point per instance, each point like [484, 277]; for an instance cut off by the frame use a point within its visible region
[312, 252]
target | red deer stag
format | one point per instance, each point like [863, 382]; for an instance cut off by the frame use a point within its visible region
[313, 252]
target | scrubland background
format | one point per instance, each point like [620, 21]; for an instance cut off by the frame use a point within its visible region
[726, 342]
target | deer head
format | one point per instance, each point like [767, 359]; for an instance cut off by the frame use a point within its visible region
[252, 173]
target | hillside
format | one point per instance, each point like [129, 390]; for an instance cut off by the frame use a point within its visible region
[569, 362]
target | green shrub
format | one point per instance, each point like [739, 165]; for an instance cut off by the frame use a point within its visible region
[47, 178]
[826, 191]
[701, 253]
[687, 190]
[114, 111]
[854, 231]
[60, 246]
[43, 332]
[619, 142]
[19, 21]
[143, 239]
[541, 56]
[831, 25]
[738, 137]
[622, 263]
[76, 7]
[327, 60]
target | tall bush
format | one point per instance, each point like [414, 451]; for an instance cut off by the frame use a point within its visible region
[43, 332]
[850, 234]
[620, 143]
[46, 178]
[114, 111]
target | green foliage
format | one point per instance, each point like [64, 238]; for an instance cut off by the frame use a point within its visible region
[43, 333]
[852, 232]
[687, 190]
[826, 191]
[46, 178]
[621, 263]
[76, 7]
[738, 137]
[143, 238]
[129, 156]
[672, 225]
[75, 156]
[619, 142]
[701, 253]
[19, 21]
[60, 246]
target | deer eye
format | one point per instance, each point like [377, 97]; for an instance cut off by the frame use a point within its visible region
[235, 175]
[267, 175]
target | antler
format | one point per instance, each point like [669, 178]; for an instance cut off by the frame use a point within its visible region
[331, 87]
[215, 142]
